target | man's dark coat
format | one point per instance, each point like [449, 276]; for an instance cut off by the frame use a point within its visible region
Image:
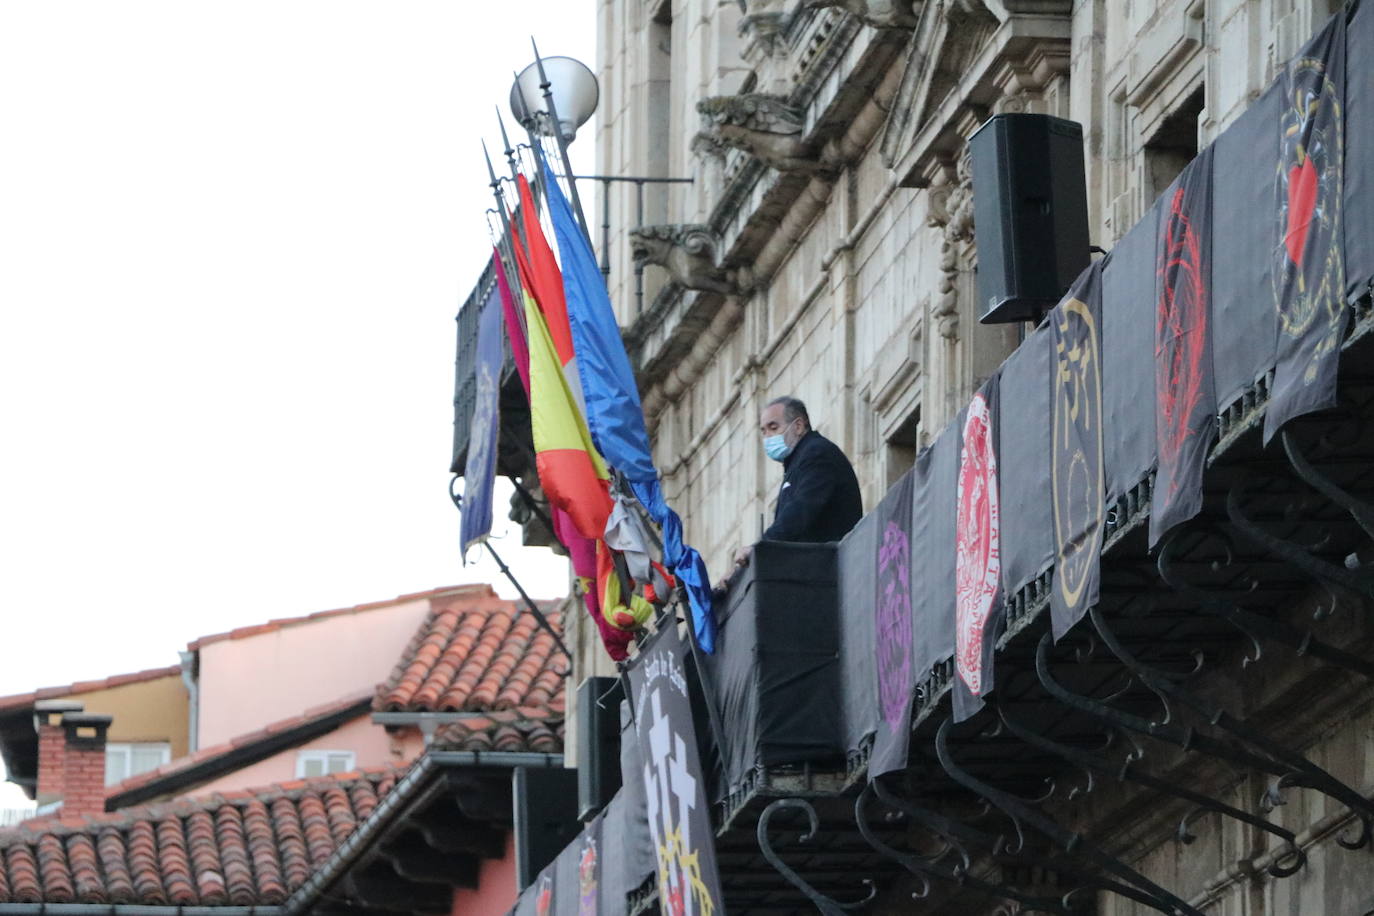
[819, 500]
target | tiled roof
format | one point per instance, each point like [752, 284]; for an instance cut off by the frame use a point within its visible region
[473, 653]
[506, 731]
[283, 622]
[237, 752]
[241, 848]
[23, 700]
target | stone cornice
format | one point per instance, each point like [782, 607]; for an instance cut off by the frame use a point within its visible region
[1025, 54]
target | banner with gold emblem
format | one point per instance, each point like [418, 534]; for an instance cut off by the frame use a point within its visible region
[1076, 473]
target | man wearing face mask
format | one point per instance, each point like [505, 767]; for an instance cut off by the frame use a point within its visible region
[819, 500]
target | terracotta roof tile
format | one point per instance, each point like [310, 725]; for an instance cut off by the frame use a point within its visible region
[505, 731]
[475, 652]
[243, 848]
[21, 700]
[282, 622]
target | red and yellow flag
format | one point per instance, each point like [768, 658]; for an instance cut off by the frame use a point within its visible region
[570, 469]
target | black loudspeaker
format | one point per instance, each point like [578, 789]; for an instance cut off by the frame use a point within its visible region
[545, 818]
[598, 744]
[1030, 213]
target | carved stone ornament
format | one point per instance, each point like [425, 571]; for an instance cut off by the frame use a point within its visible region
[951, 210]
[687, 251]
[880, 14]
[765, 126]
[762, 31]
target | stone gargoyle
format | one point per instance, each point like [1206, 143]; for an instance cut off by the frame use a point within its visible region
[880, 14]
[765, 126]
[687, 251]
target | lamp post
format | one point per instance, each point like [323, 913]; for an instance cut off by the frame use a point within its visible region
[555, 97]
[575, 94]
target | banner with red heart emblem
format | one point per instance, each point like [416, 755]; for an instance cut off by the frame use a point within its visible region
[1308, 256]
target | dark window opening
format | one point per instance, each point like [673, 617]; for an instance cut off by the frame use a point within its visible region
[902, 447]
[1175, 144]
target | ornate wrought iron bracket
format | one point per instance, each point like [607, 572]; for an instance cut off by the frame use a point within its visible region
[1254, 626]
[1126, 769]
[1361, 511]
[1328, 574]
[1289, 767]
[828, 906]
[953, 833]
[1133, 884]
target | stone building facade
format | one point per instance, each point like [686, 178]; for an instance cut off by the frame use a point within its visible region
[825, 246]
[825, 249]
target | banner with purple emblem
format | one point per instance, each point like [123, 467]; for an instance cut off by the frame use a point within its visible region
[893, 646]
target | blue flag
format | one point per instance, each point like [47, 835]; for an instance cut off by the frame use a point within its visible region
[614, 413]
[479, 473]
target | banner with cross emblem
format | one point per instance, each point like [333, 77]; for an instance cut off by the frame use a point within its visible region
[679, 814]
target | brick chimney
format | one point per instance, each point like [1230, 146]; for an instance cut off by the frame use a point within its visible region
[52, 742]
[83, 763]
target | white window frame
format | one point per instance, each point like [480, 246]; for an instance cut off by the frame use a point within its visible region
[125, 750]
[322, 756]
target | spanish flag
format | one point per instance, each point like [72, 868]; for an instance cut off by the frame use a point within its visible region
[570, 469]
[539, 274]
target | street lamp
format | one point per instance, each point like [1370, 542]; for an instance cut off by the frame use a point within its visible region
[574, 90]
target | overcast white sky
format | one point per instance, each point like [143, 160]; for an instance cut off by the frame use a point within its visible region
[233, 237]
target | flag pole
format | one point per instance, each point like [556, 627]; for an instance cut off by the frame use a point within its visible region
[505, 246]
[500, 205]
[505, 571]
[544, 84]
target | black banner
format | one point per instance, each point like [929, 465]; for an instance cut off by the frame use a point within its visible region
[1242, 290]
[674, 785]
[1076, 478]
[859, 714]
[636, 852]
[1308, 256]
[586, 869]
[932, 549]
[1185, 393]
[1027, 516]
[1359, 153]
[892, 646]
[538, 898]
[978, 599]
[1128, 345]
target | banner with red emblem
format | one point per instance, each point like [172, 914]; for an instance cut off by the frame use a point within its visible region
[977, 554]
[1308, 257]
[1185, 392]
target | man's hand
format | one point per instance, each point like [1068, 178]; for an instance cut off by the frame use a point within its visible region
[742, 557]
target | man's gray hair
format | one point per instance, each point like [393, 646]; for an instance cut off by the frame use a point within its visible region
[791, 409]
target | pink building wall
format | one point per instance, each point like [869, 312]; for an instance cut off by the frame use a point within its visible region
[250, 681]
[495, 892]
[370, 743]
